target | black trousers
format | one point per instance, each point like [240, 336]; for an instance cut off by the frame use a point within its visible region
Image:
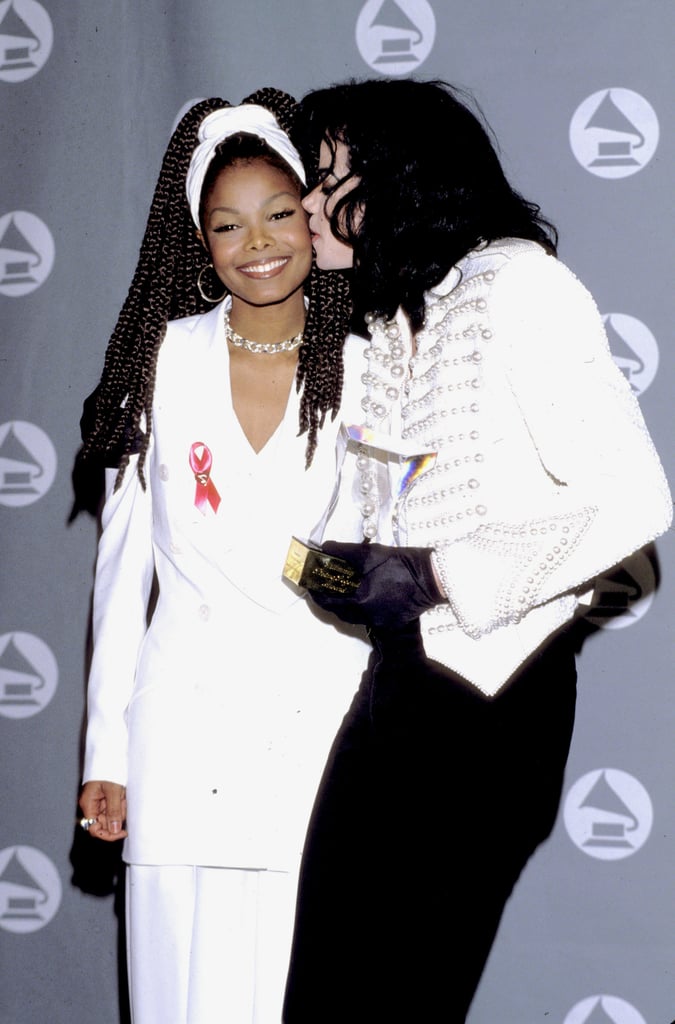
[432, 801]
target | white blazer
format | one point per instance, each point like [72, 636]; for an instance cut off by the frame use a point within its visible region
[219, 716]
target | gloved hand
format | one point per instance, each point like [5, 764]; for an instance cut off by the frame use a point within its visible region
[397, 585]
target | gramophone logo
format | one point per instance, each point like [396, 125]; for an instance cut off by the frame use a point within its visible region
[603, 1010]
[634, 349]
[624, 595]
[614, 133]
[29, 675]
[26, 38]
[395, 36]
[30, 889]
[26, 253]
[608, 814]
[27, 463]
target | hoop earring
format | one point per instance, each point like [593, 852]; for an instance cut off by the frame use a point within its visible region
[200, 287]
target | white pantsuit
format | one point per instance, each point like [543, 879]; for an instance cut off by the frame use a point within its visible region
[218, 715]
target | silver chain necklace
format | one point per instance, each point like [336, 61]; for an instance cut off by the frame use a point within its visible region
[268, 348]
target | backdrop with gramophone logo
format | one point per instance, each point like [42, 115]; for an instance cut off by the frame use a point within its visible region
[580, 97]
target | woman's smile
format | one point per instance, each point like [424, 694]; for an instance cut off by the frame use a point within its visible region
[262, 269]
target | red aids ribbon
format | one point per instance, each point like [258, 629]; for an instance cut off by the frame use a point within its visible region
[201, 461]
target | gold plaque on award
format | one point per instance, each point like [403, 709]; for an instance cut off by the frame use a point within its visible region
[313, 569]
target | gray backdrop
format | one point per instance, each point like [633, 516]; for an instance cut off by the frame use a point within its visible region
[580, 96]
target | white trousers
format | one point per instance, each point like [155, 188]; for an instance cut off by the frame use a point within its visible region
[208, 945]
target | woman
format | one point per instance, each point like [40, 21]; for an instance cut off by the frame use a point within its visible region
[501, 464]
[209, 727]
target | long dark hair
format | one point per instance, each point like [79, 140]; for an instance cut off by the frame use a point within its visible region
[429, 186]
[118, 416]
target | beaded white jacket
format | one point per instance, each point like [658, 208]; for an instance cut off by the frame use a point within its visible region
[545, 473]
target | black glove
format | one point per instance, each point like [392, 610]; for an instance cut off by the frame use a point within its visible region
[397, 585]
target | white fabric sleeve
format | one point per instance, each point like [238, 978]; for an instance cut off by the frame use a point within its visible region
[123, 580]
[602, 493]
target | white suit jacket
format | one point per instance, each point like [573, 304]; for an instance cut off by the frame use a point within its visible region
[545, 474]
[219, 717]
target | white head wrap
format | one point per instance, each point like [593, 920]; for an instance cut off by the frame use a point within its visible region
[218, 126]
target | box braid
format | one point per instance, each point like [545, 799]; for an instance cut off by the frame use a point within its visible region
[117, 420]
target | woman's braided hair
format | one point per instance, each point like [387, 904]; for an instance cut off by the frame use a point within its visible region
[164, 287]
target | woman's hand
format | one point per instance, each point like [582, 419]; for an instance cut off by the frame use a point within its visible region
[107, 803]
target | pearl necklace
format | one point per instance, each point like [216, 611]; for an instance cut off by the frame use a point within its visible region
[268, 348]
[383, 380]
